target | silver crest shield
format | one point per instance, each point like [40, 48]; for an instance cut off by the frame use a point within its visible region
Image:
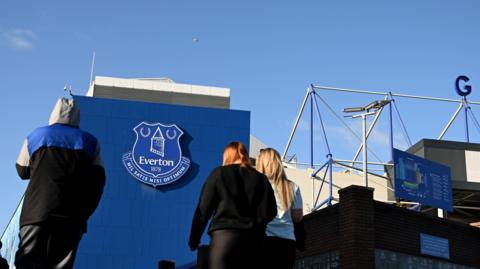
[156, 157]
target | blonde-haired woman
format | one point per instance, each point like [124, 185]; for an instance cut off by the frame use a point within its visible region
[240, 202]
[280, 240]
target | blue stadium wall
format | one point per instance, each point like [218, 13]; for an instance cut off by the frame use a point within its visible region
[136, 225]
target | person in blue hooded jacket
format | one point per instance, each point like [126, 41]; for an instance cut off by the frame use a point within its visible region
[66, 183]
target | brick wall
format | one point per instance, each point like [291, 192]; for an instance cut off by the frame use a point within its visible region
[358, 224]
[399, 229]
[322, 230]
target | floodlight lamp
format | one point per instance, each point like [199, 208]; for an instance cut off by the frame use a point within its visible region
[353, 109]
[377, 104]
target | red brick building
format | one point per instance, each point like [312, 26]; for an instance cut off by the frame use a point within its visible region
[359, 232]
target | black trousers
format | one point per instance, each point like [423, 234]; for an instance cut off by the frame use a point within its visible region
[3, 263]
[279, 253]
[48, 245]
[234, 249]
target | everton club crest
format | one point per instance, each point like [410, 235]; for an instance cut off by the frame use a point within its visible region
[156, 158]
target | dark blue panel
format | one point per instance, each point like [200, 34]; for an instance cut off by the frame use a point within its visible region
[137, 225]
[421, 180]
[434, 246]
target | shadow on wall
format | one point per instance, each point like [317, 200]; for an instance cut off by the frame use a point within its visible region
[192, 170]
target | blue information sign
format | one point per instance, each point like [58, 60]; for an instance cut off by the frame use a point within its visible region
[421, 180]
[434, 246]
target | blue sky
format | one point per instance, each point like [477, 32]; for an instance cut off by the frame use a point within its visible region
[267, 52]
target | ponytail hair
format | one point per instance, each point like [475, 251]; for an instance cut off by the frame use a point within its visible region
[236, 152]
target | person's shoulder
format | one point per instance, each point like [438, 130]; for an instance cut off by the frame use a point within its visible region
[231, 167]
[216, 172]
[38, 130]
[296, 190]
[217, 169]
[261, 175]
[254, 173]
[85, 132]
[245, 171]
[294, 185]
[45, 127]
[39, 133]
[88, 135]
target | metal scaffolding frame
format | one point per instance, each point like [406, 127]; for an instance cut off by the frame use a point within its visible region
[311, 96]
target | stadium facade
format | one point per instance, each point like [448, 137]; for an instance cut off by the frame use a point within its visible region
[146, 209]
[160, 139]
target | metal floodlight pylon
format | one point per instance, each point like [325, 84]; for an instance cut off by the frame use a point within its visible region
[363, 113]
[378, 105]
[310, 96]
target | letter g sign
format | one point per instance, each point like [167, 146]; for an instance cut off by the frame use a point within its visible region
[467, 89]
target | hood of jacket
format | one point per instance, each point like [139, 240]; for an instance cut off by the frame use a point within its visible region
[65, 112]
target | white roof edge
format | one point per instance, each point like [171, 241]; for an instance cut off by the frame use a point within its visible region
[90, 90]
[159, 85]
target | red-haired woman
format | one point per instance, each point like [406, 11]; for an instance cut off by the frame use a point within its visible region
[240, 202]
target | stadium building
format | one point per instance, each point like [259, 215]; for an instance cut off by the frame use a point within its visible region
[161, 139]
